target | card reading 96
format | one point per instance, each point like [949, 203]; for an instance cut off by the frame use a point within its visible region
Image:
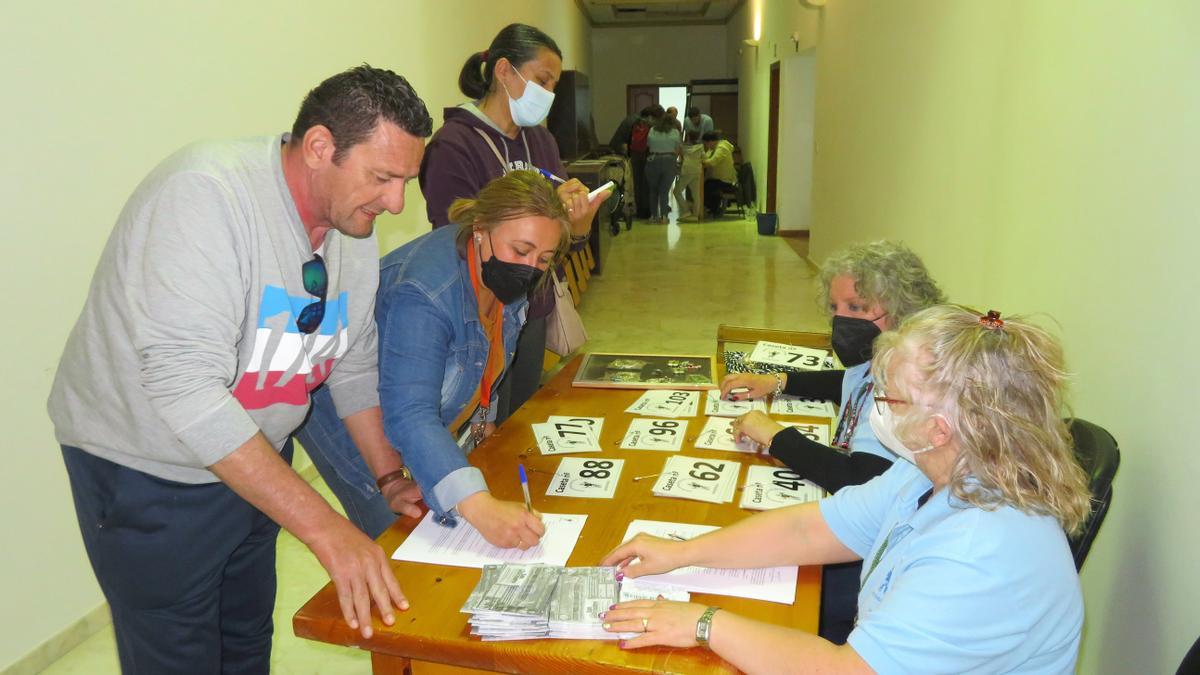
[655, 434]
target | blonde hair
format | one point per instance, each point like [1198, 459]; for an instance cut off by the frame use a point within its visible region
[886, 274]
[1000, 389]
[516, 194]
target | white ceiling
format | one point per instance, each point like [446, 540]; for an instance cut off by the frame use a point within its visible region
[654, 12]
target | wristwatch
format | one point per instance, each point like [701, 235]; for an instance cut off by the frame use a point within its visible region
[399, 474]
[704, 626]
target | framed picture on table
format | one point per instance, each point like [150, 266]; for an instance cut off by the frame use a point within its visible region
[645, 371]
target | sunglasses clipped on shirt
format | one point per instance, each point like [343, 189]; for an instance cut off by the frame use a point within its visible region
[316, 282]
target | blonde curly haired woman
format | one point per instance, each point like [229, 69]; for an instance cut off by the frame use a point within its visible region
[966, 562]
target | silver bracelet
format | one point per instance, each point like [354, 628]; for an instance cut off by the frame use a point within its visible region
[778, 383]
[704, 626]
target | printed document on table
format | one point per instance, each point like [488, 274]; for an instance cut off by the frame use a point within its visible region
[658, 403]
[718, 435]
[556, 438]
[773, 584]
[779, 354]
[717, 406]
[646, 433]
[463, 546]
[795, 405]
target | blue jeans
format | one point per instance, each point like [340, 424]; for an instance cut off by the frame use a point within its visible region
[188, 570]
[326, 440]
[660, 174]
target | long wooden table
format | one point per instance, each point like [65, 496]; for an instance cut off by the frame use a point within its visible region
[433, 631]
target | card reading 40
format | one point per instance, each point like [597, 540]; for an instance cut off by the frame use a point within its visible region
[654, 434]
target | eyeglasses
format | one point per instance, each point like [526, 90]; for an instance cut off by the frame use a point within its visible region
[316, 282]
[881, 401]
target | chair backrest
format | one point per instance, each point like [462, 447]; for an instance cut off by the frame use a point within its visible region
[1097, 452]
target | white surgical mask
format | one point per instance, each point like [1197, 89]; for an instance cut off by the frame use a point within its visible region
[533, 106]
[884, 426]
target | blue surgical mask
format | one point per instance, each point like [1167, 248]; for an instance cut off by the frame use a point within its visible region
[533, 106]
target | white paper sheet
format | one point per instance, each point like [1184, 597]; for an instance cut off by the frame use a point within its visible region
[586, 477]
[715, 405]
[770, 487]
[779, 354]
[463, 546]
[662, 403]
[646, 433]
[773, 584]
[795, 405]
[557, 438]
[717, 435]
[705, 480]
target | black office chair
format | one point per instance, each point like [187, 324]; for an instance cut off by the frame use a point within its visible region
[732, 195]
[747, 188]
[1099, 455]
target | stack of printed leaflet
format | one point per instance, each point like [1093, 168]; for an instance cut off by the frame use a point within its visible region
[527, 602]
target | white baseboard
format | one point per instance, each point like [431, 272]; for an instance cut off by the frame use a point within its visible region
[55, 647]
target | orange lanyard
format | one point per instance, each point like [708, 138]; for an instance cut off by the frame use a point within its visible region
[493, 331]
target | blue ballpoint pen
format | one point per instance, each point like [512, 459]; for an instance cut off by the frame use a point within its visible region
[525, 488]
[550, 176]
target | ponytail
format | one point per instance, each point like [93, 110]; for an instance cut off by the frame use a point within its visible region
[518, 42]
[471, 80]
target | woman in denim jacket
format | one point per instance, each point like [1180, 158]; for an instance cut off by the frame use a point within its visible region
[443, 298]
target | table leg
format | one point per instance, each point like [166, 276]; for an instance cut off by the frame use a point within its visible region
[386, 664]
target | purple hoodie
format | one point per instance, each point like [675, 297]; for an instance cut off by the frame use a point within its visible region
[458, 162]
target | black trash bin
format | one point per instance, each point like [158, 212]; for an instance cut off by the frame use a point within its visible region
[768, 223]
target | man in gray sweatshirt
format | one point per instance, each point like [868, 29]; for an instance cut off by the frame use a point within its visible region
[239, 277]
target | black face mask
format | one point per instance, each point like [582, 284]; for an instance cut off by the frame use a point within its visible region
[852, 339]
[509, 281]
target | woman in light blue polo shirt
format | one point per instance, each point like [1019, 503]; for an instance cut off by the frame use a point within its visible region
[966, 562]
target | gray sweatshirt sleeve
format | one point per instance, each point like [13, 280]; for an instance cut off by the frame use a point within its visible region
[354, 382]
[187, 304]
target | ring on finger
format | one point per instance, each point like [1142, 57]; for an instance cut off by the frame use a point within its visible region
[645, 624]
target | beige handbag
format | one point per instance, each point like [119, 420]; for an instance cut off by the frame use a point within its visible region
[564, 328]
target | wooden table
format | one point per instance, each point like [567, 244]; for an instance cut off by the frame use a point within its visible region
[434, 632]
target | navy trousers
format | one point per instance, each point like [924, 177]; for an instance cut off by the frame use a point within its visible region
[188, 570]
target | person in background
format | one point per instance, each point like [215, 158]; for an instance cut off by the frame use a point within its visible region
[511, 84]
[867, 289]
[662, 164]
[239, 277]
[450, 306]
[696, 125]
[691, 172]
[639, 152]
[673, 113]
[966, 536]
[718, 161]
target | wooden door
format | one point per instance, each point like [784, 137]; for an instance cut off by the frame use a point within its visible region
[638, 96]
[773, 138]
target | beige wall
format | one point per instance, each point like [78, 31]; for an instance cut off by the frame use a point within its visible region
[624, 56]
[1042, 158]
[96, 94]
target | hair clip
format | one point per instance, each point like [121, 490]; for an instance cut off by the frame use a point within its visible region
[484, 53]
[992, 320]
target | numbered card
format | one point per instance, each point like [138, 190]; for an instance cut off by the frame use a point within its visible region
[596, 424]
[717, 435]
[769, 487]
[714, 405]
[585, 477]
[779, 354]
[705, 480]
[651, 434]
[556, 438]
[666, 404]
[816, 432]
[794, 405]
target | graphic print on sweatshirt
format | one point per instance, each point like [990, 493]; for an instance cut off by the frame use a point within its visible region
[286, 364]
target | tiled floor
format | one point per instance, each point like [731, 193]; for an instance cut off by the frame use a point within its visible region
[665, 288]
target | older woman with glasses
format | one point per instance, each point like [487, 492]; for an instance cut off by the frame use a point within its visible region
[868, 288]
[968, 566]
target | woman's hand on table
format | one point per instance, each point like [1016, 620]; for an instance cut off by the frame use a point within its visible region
[755, 426]
[644, 555]
[750, 386]
[503, 524]
[657, 622]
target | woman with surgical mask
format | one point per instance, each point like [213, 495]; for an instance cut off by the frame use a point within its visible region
[868, 289]
[449, 308]
[511, 88]
[967, 567]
